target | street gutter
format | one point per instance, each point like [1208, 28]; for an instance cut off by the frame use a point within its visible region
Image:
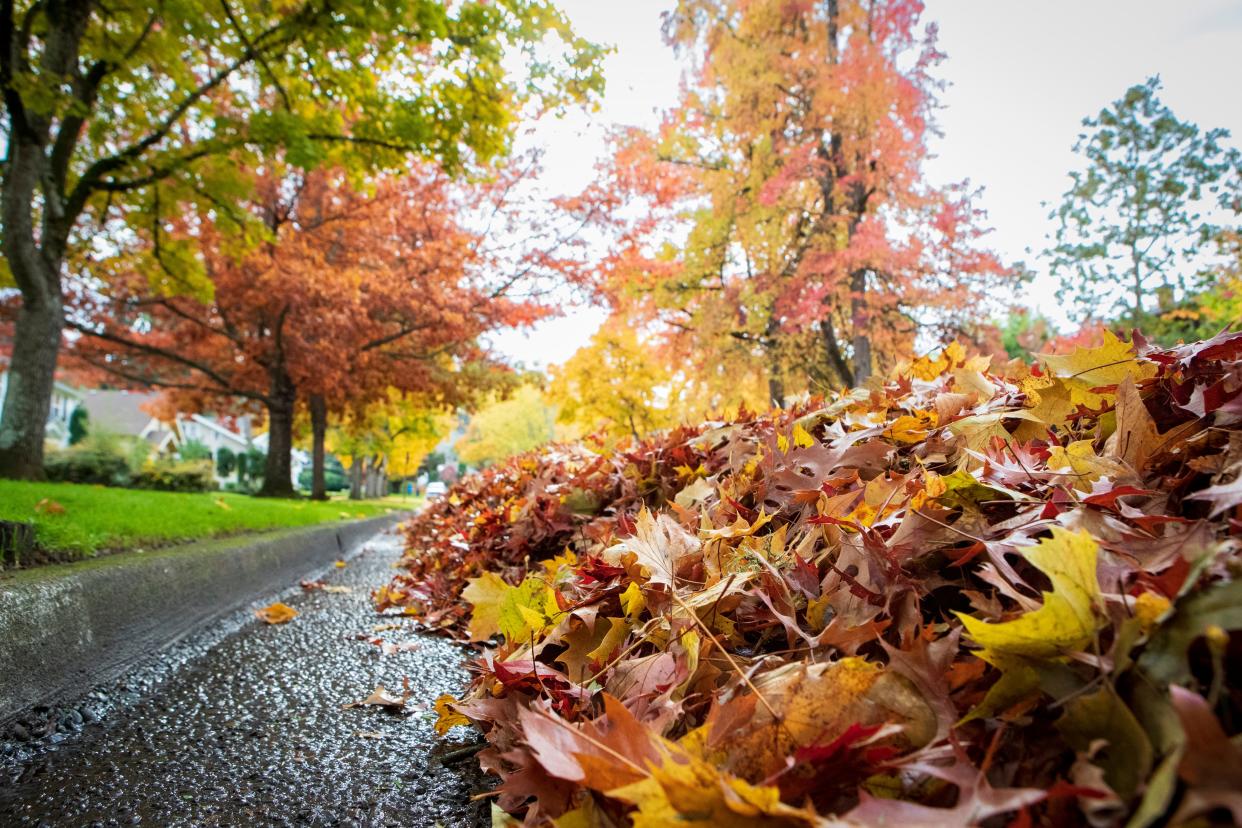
[66, 628]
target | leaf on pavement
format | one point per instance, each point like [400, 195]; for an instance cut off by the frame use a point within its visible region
[384, 698]
[277, 613]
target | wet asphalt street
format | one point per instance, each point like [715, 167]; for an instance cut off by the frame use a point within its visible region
[242, 724]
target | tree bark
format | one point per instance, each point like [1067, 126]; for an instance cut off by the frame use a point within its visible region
[278, 471]
[319, 427]
[860, 322]
[776, 391]
[32, 374]
[33, 190]
[356, 472]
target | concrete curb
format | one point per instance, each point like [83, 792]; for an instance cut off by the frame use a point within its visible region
[64, 629]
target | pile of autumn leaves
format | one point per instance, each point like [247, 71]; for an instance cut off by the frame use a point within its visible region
[971, 594]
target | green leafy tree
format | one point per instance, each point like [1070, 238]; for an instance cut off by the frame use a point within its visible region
[120, 115]
[1138, 218]
[79, 425]
[226, 461]
[1023, 333]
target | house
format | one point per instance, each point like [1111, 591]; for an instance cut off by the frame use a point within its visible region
[65, 398]
[124, 413]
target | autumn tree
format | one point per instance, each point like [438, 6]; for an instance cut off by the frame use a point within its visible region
[354, 293]
[781, 215]
[617, 384]
[387, 437]
[1144, 208]
[507, 426]
[116, 116]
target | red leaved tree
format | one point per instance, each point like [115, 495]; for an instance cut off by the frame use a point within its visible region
[354, 291]
[781, 215]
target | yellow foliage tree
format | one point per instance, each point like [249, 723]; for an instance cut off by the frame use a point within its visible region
[389, 438]
[506, 427]
[617, 383]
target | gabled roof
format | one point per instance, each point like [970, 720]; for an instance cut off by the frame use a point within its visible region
[117, 411]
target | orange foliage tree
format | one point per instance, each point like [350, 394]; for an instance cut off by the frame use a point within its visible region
[781, 214]
[355, 291]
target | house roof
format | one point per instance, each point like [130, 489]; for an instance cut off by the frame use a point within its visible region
[118, 411]
[228, 434]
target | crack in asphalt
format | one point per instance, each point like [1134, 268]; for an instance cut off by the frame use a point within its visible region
[242, 724]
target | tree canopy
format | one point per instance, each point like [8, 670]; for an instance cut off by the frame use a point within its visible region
[1143, 209]
[117, 116]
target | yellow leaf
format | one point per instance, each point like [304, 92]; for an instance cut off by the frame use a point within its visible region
[612, 640]
[1149, 608]
[1067, 621]
[1081, 460]
[912, 428]
[339, 564]
[632, 600]
[685, 790]
[813, 704]
[801, 437]
[446, 717]
[525, 609]
[1089, 368]
[277, 613]
[485, 593]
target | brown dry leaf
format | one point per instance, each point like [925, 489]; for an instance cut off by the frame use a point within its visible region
[49, 507]
[277, 613]
[1136, 437]
[383, 698]
[337, 589]
[814, 704]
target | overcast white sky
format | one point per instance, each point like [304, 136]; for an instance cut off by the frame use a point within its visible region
[1022, 76]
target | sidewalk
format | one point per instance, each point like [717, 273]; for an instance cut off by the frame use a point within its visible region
[248, 728]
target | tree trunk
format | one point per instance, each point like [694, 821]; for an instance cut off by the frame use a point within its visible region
[278, 471]
[839, 368]
[34, 259]
[32, 374]
[860, 322]
[355, 478]
[776, 390]
[319, 427]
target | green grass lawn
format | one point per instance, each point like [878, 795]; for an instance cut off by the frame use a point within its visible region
[98, 519]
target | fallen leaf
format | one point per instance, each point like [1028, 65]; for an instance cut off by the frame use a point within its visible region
[383, 698]
[1067, 621]
[46, 506]
[277, 613]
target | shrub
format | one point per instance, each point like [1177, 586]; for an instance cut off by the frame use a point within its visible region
[226, 461]
[194, 450]
[79, 425]
[250, 466]
[176, 476]
[88, 463]
[334, 477]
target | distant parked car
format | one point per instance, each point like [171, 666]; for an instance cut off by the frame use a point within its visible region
[436, 488]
